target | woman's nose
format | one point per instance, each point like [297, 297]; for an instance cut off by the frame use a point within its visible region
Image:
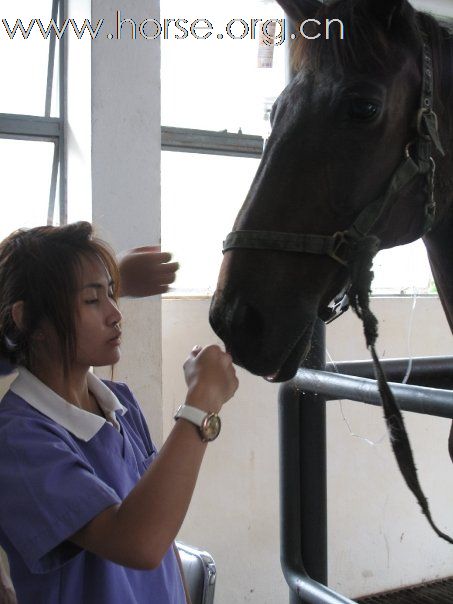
[115, 314]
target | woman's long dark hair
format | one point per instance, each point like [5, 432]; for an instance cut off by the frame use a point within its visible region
[41, 267]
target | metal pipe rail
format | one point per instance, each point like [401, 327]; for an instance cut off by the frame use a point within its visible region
[303, 482]
[334, 386]
[434, 372]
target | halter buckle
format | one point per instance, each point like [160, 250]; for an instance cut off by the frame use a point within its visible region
[341, 248]
[423, 114]
[336, 307]
[428, 128]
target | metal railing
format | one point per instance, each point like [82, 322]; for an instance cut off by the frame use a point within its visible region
[302, 419]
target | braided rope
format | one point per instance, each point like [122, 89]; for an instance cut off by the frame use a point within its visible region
[361, 278]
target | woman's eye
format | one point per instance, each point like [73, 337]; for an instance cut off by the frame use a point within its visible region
[93, 301]
[362, 110]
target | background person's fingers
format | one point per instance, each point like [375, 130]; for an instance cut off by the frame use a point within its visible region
[169, 267]
[146, 248]
[160, 257]
[167, 278]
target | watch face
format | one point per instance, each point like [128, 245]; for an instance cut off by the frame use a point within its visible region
[211, 427]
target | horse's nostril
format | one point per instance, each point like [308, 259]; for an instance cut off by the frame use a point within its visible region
[247, 321]
[236, 321]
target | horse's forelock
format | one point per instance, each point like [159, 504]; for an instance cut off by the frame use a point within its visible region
[367, 47]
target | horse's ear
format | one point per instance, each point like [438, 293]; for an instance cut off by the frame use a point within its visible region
[387, 10]
[299, 10]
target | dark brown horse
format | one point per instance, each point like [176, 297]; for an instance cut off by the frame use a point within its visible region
[340, 130]
[357, 161]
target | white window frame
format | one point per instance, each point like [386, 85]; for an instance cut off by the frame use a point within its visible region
[45, 128]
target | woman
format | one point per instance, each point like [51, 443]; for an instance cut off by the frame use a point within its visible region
[88, 510]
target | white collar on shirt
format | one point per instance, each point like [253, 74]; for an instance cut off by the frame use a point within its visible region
[81, 423]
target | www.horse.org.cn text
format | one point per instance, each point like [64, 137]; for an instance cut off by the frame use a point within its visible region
[270, 31]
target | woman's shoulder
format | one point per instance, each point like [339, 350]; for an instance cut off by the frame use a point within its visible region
[12, 405]
[5, 367]
[23, 425]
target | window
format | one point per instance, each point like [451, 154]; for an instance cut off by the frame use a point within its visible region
[215, 107]
[32, 115]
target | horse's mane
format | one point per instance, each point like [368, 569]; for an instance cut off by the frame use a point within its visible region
[368, 47]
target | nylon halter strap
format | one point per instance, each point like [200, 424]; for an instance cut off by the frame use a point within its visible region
[343, 246]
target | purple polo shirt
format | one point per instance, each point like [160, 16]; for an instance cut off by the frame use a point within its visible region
[52, 482]
[5, 367]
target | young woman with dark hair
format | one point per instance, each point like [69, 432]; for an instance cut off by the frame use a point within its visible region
[88, 509]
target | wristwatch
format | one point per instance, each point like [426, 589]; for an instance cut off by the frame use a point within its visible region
[208, 424]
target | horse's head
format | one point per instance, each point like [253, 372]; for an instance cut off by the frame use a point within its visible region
[339, 131]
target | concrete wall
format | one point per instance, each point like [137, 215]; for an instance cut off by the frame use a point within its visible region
[126, 178]
[378, 539]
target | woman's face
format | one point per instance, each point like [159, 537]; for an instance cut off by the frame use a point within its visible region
[98, 333]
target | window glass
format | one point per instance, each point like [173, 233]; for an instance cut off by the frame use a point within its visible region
[26, 174]
[201, 195]
[25, 56]
[403, 270]
[442, 8]
[216, 84]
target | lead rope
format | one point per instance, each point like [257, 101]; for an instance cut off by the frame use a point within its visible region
[361, 278]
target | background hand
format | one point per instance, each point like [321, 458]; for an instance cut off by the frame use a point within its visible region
[146, 271]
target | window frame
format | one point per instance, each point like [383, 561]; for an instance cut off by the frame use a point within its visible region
[190, 140]
[45, 128]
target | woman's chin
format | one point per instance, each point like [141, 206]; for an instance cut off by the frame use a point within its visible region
[107, 360]
[116, 357]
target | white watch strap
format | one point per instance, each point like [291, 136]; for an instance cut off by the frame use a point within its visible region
[191, 414]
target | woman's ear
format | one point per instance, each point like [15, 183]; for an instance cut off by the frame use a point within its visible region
[17, 313]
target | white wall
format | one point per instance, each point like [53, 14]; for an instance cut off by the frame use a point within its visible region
[377, 537]
[126, 177]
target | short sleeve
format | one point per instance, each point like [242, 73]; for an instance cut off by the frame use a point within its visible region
[48, 492]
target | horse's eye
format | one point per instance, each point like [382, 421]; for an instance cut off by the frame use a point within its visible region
[363, 110]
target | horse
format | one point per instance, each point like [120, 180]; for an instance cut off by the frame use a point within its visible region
[359, 159]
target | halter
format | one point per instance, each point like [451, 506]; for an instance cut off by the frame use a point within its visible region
[344, 246]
